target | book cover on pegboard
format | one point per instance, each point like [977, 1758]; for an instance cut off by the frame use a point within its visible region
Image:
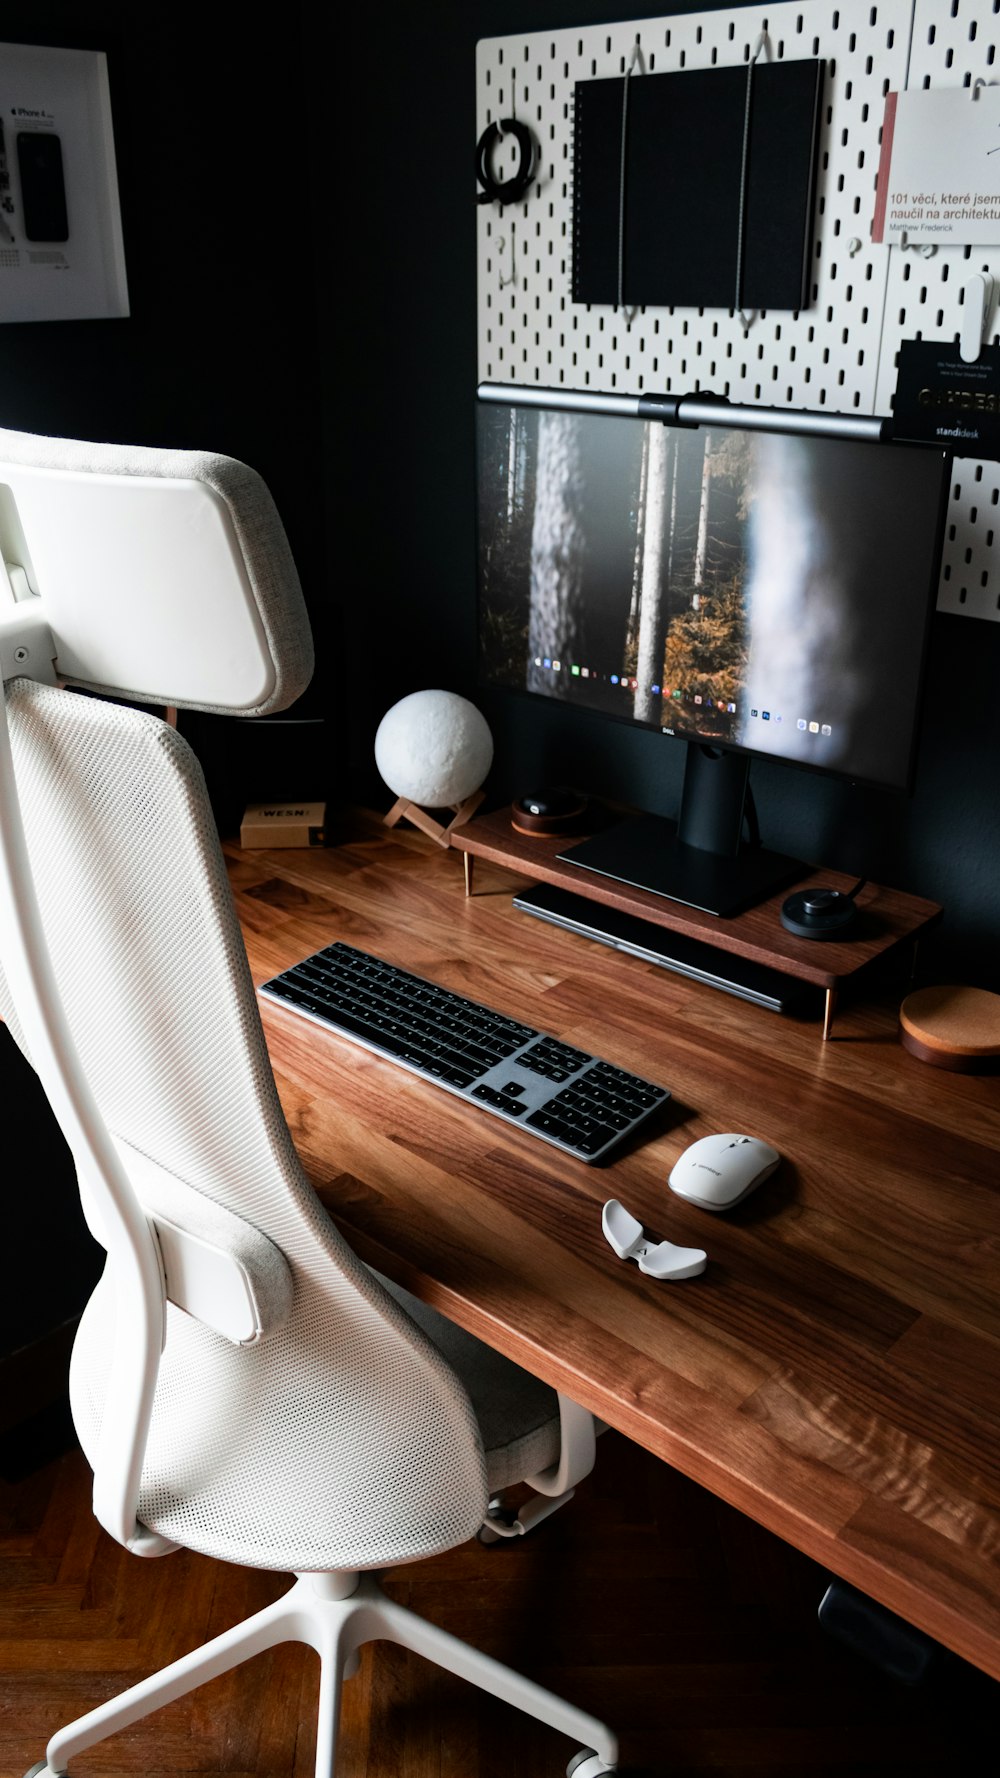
[667, 213]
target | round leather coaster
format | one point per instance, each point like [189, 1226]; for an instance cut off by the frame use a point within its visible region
[957, 1028]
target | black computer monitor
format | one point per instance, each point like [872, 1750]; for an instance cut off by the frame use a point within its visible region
[750, 591]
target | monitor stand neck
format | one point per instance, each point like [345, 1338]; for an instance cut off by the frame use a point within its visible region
[713, 800]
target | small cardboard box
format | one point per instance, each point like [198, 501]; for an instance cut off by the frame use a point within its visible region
[268, 825]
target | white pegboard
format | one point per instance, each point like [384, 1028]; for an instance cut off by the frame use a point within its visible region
[954, 43]
[839, 352]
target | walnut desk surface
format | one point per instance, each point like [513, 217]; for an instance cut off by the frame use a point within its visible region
[836, 1371]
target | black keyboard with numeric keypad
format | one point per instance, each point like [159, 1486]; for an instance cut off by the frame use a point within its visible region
[562, 1094]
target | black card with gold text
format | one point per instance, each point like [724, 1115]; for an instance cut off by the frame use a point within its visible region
[942, 400]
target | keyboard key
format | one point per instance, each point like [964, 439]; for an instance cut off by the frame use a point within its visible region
[500, 1101]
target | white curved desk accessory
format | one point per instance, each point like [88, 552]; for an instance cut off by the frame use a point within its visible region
[657, 1259]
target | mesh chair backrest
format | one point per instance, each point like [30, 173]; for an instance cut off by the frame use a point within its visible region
[342, 1439]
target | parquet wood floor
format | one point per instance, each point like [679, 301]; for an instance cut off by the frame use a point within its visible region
[646, 1600]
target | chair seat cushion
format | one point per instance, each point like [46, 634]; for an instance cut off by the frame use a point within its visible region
[518, 1414]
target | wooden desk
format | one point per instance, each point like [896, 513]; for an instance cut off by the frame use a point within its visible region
[835, 1372]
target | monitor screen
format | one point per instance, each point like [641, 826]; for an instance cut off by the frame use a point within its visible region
[762, 591]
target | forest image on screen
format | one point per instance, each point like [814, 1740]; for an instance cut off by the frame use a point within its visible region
[764, 591]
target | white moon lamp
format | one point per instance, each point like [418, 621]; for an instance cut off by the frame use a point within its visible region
[433, 749]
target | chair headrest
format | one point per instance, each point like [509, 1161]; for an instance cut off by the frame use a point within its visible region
[164, 576]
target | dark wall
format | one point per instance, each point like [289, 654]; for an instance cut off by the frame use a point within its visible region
[220, 353]
[220, 350]
[408, 421]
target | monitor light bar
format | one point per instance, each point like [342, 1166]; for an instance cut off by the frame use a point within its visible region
[703, 409]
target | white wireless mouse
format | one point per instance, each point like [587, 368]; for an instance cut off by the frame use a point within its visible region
[720, 1171]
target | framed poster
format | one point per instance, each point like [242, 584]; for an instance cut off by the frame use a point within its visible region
[61, 251]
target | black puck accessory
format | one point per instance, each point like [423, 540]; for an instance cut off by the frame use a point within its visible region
[819, 913]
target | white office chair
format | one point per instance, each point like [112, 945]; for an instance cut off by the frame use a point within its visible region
[241, 1384]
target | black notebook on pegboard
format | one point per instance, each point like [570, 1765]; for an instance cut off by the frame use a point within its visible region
[679, 216]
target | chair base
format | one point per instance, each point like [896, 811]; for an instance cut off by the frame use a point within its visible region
[335, 1614]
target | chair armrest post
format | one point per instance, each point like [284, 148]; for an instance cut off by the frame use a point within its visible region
[576, 1451]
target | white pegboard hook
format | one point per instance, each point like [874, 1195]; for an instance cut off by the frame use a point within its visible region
[762, 47]
[501, 246]
[976, 306]
[927, 249]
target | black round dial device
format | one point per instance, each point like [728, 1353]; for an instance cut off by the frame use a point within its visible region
[819, 913]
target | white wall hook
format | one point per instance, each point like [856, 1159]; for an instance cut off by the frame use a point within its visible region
[657, 1259]
[926, 249]
[635, 64]
[511, 278]
[853, 246]
[975, 315]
